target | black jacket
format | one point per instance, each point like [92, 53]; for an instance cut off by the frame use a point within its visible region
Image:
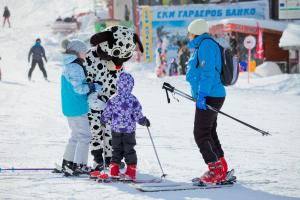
[38, 52]
[6, 13]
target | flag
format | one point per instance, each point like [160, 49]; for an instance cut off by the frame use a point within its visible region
[260, 43]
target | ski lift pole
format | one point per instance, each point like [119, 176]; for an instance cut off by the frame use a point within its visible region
[172, 89]
[162, 171]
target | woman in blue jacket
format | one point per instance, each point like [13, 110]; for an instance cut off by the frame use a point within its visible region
[203, 74]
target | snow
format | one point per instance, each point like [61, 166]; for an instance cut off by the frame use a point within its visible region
[268, 69]
[267, 24]
[34, 132]
[290, 37]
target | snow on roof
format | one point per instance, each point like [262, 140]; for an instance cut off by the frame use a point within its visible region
[290, 37]
[267, 24]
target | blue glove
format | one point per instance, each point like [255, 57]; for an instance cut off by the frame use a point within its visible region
[201, 101]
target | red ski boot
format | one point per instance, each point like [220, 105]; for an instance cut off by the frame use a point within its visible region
[225, 166]
[214, 174]
[130, 173]
[95, 174]
[114, 170]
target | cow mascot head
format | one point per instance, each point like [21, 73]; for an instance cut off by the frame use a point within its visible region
[110, 49]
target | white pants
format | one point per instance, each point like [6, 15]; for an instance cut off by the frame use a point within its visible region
[77, 149]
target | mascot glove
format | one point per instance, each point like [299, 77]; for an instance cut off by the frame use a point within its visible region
[201, 101]
[95, 103]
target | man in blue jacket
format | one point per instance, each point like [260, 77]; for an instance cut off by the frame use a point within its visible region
[38, 53]
[203, 74]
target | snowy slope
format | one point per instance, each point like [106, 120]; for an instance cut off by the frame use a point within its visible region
[33, 132]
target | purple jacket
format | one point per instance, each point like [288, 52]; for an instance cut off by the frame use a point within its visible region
[123, 110]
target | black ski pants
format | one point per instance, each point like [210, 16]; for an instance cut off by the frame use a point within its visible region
[205, 131]
[41, 66]
[123, 146]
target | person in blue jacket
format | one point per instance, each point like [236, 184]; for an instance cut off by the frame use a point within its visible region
[74, 92]
[203, 75]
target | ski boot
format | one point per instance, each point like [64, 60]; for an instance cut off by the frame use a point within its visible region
[130, 173]
[63, 166]
[69, 170]
[215, 174]
[82, 169]
[225, 166]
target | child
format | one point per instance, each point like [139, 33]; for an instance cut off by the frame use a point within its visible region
[124, 110]
[74, 90]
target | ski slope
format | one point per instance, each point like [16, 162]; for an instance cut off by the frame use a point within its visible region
[33, 131]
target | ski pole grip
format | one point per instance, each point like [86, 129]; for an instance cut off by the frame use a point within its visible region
[168, 86]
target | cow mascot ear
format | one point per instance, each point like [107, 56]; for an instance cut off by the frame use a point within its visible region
[100, 37]
[137, 40]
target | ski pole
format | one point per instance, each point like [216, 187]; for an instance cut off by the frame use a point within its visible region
[162, 171]
[172, 89]
[104, 175]
[26, 169]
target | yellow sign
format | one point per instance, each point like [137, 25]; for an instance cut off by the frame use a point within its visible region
[146, 33]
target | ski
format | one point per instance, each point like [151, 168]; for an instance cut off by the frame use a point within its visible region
[136, 181]
[195, 185]
[178, 187]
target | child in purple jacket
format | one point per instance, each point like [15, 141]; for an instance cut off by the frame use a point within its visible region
[124, 111]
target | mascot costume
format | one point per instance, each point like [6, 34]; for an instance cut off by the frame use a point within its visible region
[104, 63]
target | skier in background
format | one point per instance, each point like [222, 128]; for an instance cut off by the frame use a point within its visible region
[38, 53]
[6, 16]
[184, 56]
[173, 69]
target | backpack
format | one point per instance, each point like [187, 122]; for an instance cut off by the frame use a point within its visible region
[230, 68]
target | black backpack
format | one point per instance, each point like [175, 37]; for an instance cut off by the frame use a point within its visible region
[230, 68]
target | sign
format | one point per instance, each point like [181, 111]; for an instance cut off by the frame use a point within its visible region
[146, 32]
[256, 9]
[289, 9]
[249, 42]
[169, 24]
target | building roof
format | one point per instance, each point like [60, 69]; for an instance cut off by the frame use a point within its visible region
[290, 38]
[266, 24]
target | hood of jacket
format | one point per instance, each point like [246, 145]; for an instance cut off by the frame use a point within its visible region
[125, 84]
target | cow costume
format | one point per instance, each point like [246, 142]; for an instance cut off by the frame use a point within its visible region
[110, 49]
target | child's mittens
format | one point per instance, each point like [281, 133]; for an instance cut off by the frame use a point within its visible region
[144, 122]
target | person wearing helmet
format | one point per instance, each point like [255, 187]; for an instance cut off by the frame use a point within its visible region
[203, 74]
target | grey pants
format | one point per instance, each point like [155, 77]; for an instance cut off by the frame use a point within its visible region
[77, 149]
[123, 146]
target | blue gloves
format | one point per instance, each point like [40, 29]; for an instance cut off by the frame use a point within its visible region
[201, 101]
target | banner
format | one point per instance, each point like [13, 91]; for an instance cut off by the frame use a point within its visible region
[169, 23]
[260, 44]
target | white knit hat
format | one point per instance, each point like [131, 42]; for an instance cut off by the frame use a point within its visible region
[198, 27]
